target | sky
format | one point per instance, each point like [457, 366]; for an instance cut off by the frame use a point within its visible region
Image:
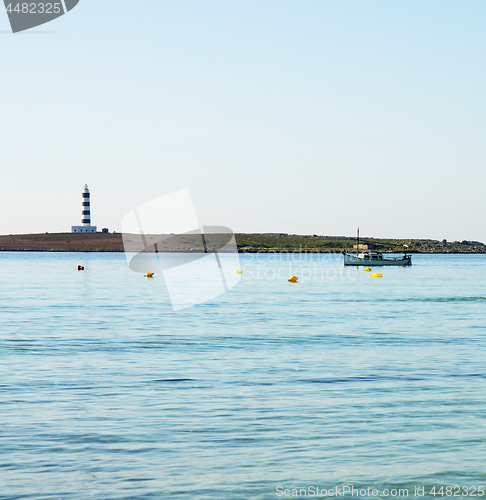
[306, 117]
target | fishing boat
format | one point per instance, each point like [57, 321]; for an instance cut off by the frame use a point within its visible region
[375, 258]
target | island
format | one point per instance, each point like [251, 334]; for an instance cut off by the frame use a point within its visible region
[246, 243]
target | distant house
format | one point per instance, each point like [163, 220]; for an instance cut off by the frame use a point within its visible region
[361, 247]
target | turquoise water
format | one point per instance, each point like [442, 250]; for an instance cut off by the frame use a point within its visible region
[337, 380]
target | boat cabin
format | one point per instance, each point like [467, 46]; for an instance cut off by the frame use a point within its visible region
[370, 256]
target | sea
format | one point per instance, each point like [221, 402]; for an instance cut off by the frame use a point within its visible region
[340, 385]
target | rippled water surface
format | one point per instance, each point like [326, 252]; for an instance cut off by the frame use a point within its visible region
[340, 379]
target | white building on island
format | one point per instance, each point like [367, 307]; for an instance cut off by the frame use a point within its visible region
[86, 215]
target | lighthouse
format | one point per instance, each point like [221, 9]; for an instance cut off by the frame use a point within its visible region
[85, 215]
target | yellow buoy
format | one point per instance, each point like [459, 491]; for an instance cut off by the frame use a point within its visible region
[376, 275]
[367, 269]
[237, 271]
[293, 279]
[149, 275]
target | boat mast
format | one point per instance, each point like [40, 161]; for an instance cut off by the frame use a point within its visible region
[357, 243]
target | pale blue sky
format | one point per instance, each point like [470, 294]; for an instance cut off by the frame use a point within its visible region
[279, 116]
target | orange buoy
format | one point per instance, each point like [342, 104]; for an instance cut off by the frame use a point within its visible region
[293, 279]
[80, 268]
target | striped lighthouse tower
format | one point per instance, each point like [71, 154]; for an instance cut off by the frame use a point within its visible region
[86, 219]
[86, 214]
